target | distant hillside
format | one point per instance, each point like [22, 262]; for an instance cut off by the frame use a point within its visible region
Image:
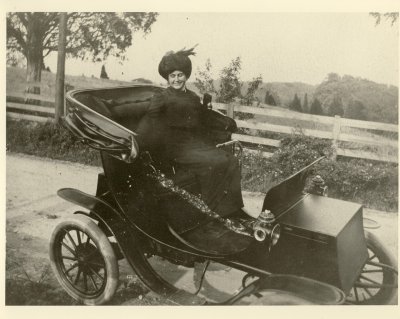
[380, 101]
[283, 92]
[377, 102]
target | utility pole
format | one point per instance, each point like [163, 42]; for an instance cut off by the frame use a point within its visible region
[62, 37]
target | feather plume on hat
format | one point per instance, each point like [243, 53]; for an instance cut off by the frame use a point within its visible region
[176, 61]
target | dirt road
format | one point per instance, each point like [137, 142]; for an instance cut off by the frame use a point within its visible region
[33, 209]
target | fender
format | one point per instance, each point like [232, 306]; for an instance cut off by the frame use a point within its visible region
[127, 237]
[110, 215]
[92, 203]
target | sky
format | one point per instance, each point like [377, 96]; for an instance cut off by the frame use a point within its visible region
[282, 47]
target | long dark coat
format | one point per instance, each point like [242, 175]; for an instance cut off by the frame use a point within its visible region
[174, 126]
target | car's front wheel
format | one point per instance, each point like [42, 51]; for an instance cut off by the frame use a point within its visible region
[83, 260]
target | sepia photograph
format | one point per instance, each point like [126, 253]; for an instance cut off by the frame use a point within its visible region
[168, 158]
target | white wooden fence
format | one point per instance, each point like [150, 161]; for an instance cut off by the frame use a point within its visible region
[383, 149]
[359, 144]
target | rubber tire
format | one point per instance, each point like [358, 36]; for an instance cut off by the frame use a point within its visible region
[88, 226]
[385, 295]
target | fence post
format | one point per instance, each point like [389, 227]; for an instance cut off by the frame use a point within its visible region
[230, 108]
[335, 137]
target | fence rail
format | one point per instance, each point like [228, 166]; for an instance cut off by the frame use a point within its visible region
[30, 108]
[30, 96]
[388, 147]
[271, 112]
[27, 117]
[19, 106]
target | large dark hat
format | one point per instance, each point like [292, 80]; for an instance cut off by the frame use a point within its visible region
[176, 61]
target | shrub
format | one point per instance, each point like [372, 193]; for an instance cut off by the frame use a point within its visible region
[297, 151]
[372, 184]
[48, 140]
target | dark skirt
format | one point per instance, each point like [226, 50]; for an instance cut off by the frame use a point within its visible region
[216, 170]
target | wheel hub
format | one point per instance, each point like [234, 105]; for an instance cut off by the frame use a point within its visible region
[87, 254]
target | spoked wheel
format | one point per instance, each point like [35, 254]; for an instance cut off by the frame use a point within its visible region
[84, 261]
[377, 283]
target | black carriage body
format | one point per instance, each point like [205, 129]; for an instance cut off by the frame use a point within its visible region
[322, 238]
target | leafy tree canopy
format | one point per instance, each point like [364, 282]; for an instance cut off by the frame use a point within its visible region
[355, 110]
[204, 81]
[91, 35]
[230, 84]
[380, 100]
[332, 77]
[250, 97]
[335, 107]
[388, 16]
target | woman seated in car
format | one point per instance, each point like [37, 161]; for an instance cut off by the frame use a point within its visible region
[174, 127]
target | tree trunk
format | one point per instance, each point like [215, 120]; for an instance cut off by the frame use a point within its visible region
[34, 54]
[33, 74]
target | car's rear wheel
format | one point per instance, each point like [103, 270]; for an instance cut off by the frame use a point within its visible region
[377, 283]
[84, 261]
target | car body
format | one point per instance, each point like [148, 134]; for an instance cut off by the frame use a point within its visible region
[310, 248]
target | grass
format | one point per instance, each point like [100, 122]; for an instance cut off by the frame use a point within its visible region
[16, 82]
[304, 124]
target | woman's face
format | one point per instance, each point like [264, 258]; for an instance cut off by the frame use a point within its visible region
[177, 80]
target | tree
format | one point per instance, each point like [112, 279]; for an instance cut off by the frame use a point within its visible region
[249, 98]
[230, 83]
[355, 110]
[15, 59]
[103, 73]
[305, 104]
[336, 106]
[333, 77]
[295, 105]
[204, 81]
[392, 16]
[91, 35]
[316, 107]
[269, 99]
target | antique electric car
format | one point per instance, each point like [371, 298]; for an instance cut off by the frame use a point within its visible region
[303, 248]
